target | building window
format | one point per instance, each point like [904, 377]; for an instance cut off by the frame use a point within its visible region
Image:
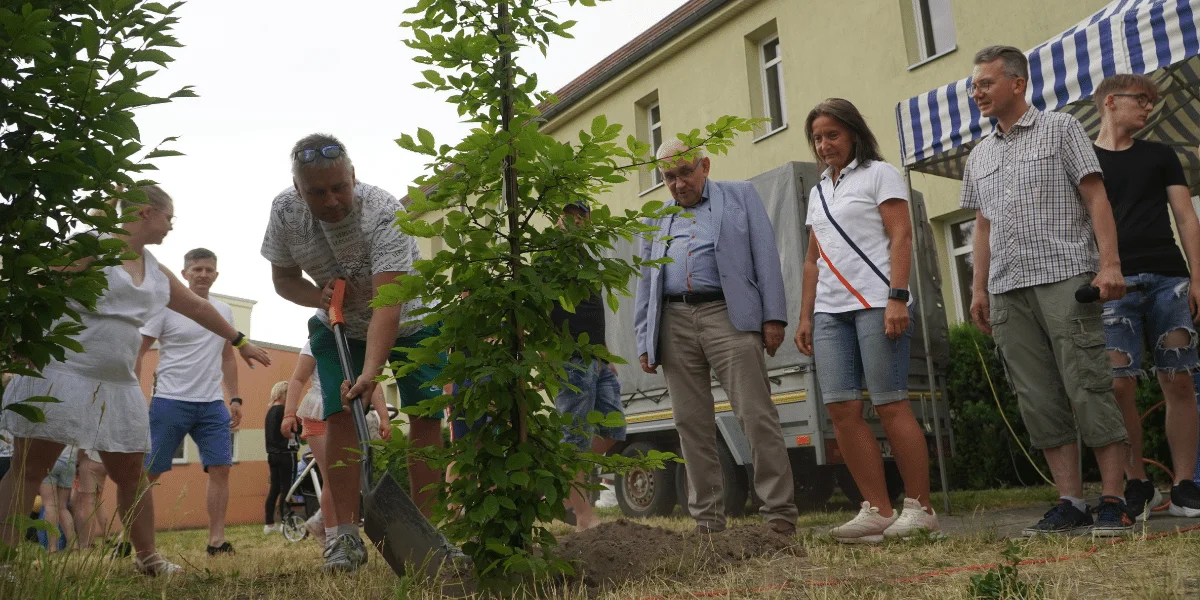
[771, 64]
[960, 239]
[648, 126]
[654, 127]
[932, 30]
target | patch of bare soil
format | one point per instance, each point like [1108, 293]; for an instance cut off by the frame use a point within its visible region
[622, 550]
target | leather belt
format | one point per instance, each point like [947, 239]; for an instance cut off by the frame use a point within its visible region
[696, 298]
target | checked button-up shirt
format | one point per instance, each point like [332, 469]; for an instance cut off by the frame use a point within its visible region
[1025, 181]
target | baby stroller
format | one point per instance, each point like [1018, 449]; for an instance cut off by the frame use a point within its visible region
[304, 497]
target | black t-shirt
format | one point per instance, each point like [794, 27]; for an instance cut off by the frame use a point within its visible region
[275, 440]
[1136, 180]
[588, 317]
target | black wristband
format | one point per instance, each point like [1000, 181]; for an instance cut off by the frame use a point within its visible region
[235, 399]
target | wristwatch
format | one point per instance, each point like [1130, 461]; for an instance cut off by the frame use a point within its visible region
[900, 294]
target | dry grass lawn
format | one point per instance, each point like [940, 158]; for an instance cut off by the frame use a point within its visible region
[268, 567]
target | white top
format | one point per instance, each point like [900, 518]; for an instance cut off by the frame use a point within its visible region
[111, 339]
[846, 280]
[189, 356]
[364, 243]
[312, 406]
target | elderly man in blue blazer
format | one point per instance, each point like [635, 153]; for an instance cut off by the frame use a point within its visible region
[719, 305]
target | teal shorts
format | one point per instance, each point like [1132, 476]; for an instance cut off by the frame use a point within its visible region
[414, 387]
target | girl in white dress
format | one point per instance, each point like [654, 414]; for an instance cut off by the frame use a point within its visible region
[101, 406]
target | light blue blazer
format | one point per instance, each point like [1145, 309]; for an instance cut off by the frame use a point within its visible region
[747, 259]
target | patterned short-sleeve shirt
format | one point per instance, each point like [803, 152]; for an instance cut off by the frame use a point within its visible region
[364, 243]
[1026, 183]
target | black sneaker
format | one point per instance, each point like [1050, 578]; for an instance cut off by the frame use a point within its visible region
[1142, 497]
[1185, 499]
[1112, 518]
[1064, 518]
[225, 548]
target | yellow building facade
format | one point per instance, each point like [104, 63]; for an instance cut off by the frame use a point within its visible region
[777, 59]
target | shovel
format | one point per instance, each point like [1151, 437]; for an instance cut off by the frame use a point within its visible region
[403, 535]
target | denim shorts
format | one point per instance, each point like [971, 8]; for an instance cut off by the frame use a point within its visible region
[599, 390]
[62, 474]
[850, 348]
[207, 422]
[1143, 319]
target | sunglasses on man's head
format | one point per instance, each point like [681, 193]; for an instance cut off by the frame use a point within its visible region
[310, 154]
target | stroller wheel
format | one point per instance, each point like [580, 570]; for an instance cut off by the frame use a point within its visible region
[294, 529]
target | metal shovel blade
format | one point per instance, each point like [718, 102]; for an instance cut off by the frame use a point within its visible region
[406, 539]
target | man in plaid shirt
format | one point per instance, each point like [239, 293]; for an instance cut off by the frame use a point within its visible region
[1043, 228]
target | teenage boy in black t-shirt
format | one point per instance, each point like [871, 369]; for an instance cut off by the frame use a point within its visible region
[1142, 179]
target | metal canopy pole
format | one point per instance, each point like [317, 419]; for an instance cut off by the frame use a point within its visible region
[918, 230]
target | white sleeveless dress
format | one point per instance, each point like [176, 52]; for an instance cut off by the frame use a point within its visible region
[101, 406]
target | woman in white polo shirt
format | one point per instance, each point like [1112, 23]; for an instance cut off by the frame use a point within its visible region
[855, 318]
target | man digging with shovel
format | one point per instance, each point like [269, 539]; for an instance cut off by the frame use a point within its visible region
[329, 226]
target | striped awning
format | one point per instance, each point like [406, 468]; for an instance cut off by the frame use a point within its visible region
[1156, 37]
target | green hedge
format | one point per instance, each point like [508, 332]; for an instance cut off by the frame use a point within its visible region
[986, 455]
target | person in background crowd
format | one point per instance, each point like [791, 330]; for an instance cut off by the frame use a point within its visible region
[56, 496]
[193, 365]
[101, 405]
[307, 417]
[329, 225]
[599, 389]
[717, 307]
[281, 459]
[1142, 180]
[1044, 228]
[856, 317]
[91, 520]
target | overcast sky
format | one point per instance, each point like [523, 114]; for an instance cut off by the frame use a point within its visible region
[270, 72]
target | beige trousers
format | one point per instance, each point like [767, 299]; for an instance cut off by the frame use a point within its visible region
[695, 339]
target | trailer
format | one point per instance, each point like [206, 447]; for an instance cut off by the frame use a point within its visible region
[817, 465]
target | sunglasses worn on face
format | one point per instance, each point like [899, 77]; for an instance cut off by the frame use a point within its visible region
[310, 154]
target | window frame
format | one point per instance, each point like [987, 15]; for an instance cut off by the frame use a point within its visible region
[763, 66]
[953, 252]
[652, 126]
[925, 35]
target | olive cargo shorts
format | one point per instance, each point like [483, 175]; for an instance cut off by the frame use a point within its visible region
[1054, 354]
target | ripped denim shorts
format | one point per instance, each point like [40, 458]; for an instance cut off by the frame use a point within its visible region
[1144, 319]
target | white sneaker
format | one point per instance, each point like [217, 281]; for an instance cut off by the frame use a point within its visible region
[866, 528]
[912, 519]
[269, 529]
[156, 565]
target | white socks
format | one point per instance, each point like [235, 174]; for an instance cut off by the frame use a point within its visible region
[1078, 503]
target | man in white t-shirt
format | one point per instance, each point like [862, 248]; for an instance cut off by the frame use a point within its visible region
[193, 365]
[326, 226]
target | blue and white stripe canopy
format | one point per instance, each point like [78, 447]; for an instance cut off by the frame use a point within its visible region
[1156, 37]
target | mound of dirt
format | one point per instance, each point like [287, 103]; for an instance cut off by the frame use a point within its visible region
[618, 551]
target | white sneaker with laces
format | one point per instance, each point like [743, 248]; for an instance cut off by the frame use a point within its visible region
[912, 519]
[269, 529]
[866, 528]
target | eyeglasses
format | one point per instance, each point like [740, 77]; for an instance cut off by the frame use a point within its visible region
[683, 173]
[310, 154]
[984, 86]
[1142, 100]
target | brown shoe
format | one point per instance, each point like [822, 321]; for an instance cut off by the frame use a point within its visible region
[782, 527]
[703, 529]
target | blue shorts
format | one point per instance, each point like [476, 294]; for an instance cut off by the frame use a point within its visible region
[62, 474]
[852, 347]
[207, 422]
[1143, 318]
[599, 390]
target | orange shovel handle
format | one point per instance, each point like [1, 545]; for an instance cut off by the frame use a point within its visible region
[336, 314]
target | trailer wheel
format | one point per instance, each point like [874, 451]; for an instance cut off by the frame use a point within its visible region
[735, 484]
[644, 492]
[813, 484]
[891, 474]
